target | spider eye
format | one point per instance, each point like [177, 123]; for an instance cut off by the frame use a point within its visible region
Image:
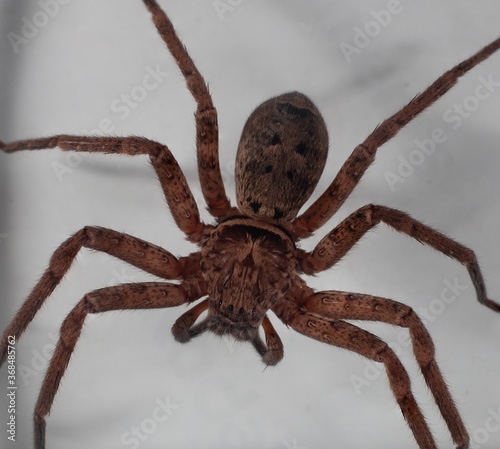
[230, 307]
[241, 311]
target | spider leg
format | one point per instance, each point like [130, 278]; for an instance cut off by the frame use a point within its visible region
[173, 182]
[357, 306]
[148, 295]
[344, 335]
[207, 131]
[364, 154]
[343, 237]
[139, 253]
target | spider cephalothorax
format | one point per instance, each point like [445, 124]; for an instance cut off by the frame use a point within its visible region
[248, 262]
[247, 266]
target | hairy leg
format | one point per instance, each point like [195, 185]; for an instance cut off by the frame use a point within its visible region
[207, 131]
[174, 184]
[339, 241]
[148, 295]
[357, 306]
[139, 253]
[364, 154]
[344, 335]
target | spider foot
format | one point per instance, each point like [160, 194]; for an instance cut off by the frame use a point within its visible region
[6, 147]
[492, 305]
[3, 350]
[39, 432]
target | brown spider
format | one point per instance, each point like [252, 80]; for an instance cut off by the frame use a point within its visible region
[248, 261]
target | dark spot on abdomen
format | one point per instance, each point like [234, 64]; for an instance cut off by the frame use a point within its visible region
[276, 140]
[278, 214]
[255, 206]
[301, 148]
[289, 109]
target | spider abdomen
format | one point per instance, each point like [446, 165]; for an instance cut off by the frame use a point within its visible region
[281, 155]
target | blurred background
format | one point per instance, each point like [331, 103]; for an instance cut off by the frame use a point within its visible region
[94, 67]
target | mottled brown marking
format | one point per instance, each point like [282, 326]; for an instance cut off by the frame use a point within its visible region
[247, 263]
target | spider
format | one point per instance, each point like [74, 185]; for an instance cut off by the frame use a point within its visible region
[248, 261]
